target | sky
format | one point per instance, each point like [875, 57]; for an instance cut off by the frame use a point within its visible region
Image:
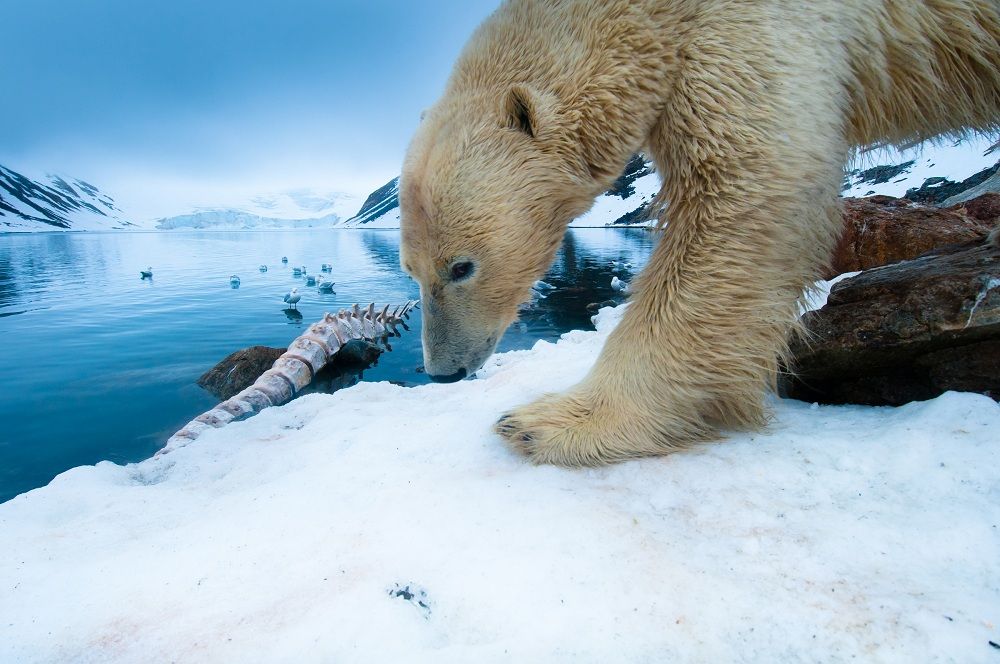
[171, 105]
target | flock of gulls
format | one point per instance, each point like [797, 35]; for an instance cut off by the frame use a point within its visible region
[323, 281]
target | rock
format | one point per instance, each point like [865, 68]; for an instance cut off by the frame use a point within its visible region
[990, 185]
[355, 353]
[594, 307]
[985, 208]
[941, 191]
[882, 230]
[239, 370]
[906, 331]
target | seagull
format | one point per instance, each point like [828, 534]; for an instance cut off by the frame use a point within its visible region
[326, 267]
[147, 273]
[310, 280]
[293, 297]
[234, 280]
[263, 268]
[326, 284]
[297, 271]
[284, 259]
[621, 286]
[304, 270]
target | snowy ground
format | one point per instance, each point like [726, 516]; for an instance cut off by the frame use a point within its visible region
[382, 523]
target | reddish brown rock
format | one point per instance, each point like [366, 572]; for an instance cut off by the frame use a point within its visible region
[881, 230]
[905, 331]
[984, 208]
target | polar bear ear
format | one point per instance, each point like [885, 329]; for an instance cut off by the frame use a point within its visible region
[521, 110]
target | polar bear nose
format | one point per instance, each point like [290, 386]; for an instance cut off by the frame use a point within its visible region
[450, 378]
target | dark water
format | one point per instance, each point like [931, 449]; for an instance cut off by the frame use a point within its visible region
[96, 363]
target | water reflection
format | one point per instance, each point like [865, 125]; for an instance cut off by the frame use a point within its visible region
[102, 365]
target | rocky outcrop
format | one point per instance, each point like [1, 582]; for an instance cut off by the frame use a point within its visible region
[905, 331]
[938, 190]
[239, 370]
[881, 229]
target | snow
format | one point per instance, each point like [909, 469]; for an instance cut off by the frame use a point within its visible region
[383, 523]
[816, 298]
[299, 208]
[82, 219]
[387, 220]
[955, 160]
[607, 208]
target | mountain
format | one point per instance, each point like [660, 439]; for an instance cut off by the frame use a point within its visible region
[927, 173]
[624, 203]
[380, 209]
[299, 208]
[54, 203]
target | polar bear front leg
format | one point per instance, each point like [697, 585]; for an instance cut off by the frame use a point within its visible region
[752, 217]
[700, 342]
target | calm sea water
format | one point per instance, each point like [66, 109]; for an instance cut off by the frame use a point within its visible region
[96, 363]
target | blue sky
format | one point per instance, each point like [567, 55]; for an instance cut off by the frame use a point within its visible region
[167, 105]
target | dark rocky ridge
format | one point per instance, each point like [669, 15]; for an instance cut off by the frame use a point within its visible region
[379, 202]
[934, 191]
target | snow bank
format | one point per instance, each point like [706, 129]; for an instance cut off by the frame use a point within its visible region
[384, 523]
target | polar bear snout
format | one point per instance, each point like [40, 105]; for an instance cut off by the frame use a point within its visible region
[453, 351]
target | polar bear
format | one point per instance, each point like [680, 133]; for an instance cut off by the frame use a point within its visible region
[749, 108]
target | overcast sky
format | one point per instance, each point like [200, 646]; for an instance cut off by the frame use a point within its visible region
[170, 104]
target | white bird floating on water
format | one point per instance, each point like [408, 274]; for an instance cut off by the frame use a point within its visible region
[147, 273]
[234, 280]
[297, 271]
[621, 286]
[310, 280]
[326, 284]
[284, 259]
[263, 268]
[326, 267]
[292, 298]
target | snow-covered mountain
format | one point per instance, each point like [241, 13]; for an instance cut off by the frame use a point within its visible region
[928, 173]
[380, 209]
[299, 208]
[624, 203]
[54, 203]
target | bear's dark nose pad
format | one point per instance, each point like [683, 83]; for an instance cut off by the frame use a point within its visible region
[450, 378]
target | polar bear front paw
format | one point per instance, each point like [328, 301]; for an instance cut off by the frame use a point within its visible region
[567, 430]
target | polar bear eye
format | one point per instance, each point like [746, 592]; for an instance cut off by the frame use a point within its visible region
[461, 270]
